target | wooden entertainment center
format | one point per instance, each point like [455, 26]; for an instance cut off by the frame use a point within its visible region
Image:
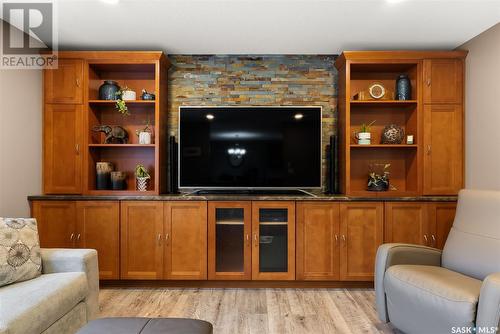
[238, 240]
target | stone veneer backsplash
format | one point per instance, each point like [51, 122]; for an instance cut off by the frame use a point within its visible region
[268, 80]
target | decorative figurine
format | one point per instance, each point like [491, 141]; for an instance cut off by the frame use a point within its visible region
[114, 134]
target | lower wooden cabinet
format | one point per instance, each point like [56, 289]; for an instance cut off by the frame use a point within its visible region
[82, 224]
[185, 240]
[426, 224]
[317, 243]
[273, 250]
[361, 233]
[141, 240]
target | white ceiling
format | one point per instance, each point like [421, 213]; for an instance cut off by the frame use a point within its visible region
[272, 26]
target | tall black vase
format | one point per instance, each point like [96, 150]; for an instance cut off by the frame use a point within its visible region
[403, 87]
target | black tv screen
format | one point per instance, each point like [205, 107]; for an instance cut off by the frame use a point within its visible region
[250, 147]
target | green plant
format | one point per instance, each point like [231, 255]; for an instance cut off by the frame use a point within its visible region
[366, 127]
[141, 172]
[146, 128]
[121, 106]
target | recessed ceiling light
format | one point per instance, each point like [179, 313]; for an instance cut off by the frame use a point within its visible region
[210, 117]
[298, 116]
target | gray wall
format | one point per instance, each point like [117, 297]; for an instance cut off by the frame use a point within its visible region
[482, 117]
[20, 140]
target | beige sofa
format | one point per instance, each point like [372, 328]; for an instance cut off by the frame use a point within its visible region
[423, 290]
[61, 300]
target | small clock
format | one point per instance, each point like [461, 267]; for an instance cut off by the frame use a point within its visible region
[377, 90]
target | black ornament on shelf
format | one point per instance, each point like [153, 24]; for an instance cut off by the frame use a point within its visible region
[393, 134]
[403, 87]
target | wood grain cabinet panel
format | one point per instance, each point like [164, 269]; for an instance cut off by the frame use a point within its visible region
[98, 227]
[443, 81]
[56, 223]
[441, 216]
[141, 240]
[362, 232]
[443, 144]
[64, 84]
[185, 240]
[229, 240]
[317, 248]
[62, 149]
[273, 251]
[407, 223]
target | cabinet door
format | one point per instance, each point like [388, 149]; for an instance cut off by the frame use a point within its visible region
[407, 223]
[443, 143]
[361, 229]
[56, 223]
[273, 228]
[186, 240]
[141, 240]
[98, 227]
[441, 216]
[64, 84]
[317, 241]
[62, 159]
[443, 81]
[229, 242]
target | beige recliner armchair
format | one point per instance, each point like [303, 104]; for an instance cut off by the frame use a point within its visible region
[423, 290]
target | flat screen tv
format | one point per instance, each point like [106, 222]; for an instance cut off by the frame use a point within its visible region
[249, 148]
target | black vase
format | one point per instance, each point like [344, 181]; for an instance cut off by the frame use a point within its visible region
[108, 90]
[403, 87]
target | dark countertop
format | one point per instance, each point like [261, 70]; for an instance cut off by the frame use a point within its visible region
[238, 197]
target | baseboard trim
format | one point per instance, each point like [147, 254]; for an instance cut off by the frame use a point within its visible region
[233, 284]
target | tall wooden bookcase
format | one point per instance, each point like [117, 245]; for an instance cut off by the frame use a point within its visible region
[72, 108]
[433, 115]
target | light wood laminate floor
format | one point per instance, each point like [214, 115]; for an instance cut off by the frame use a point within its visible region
[240, 311]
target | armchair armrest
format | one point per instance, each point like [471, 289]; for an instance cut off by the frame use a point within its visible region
[488, 311]
[392, 254]
[58, 260]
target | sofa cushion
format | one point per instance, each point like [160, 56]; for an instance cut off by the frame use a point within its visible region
[430, 299]
[32, 306]
[20, 258]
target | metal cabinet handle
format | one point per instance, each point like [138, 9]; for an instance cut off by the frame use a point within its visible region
[428, 149]
[159, 239]
[428, 82]
[78, 237]
[77, 149]
[343, 238]
[77, 82]
[247, 237]
[433, 239]
[167, 236]
[72, 236]
[336, 238]
[426, 240]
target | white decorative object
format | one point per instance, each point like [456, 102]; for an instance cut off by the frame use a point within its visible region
[142, 183]
[144, 137]
[128, 95]
[409, 139]
[364, 138]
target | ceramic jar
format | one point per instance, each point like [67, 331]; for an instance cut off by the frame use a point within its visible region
[364, 138]
[118, 180]
[403, 87]
[103, 175]
[108, 90]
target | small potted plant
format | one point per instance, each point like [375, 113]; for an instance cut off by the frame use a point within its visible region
[124, 94]
[145, 134]
[364, 135]
[378, 177]
[142, 177]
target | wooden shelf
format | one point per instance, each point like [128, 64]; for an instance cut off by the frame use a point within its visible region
[123, 145]
[384, 146]
[229, 222]
[106, 102]
[385, 103]
[273, 223]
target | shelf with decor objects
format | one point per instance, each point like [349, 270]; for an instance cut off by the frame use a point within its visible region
[124, 129]
[386, 90]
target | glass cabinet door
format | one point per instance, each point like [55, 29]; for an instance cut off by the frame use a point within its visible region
[274, 240]
[229, 240]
